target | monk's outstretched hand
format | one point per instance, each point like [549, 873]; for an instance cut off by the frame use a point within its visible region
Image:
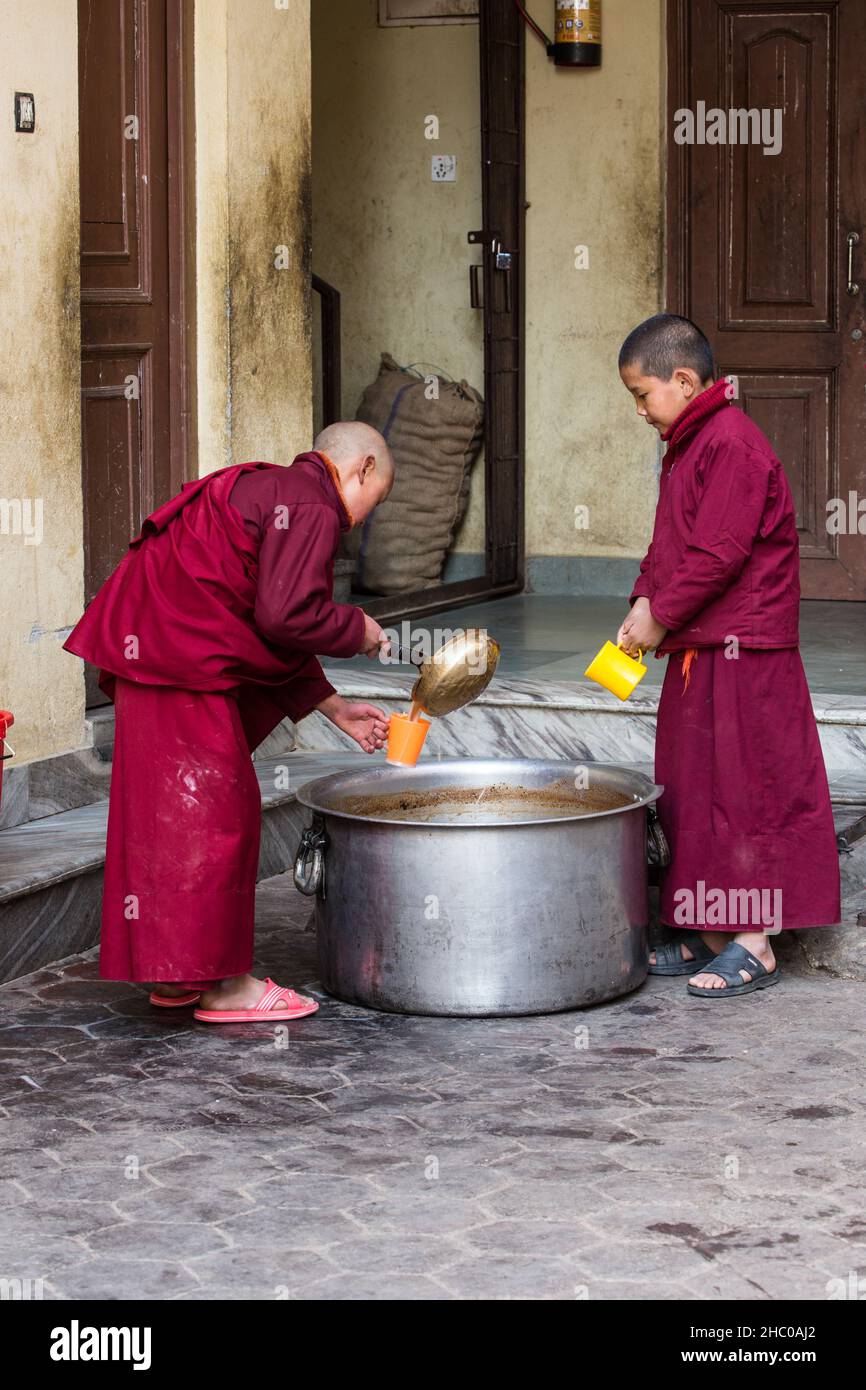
[366, 724]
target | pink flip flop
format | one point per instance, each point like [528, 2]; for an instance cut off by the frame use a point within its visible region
[276, 1005]
[176, 1001]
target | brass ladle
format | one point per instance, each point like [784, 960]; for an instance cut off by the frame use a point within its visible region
[456, 674]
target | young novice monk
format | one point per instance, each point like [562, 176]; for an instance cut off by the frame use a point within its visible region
[746, 808]
[207, 635]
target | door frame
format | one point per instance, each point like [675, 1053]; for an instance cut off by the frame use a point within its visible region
[501, 30]
[180, 75]
[180, 127]
[676, 201]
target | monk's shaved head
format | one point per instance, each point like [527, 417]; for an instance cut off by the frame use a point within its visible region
[346, 441]
[363, 461]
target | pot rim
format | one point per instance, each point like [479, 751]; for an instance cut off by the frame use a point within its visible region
[309, 793]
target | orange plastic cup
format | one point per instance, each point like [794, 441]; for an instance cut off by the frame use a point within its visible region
[406, 739]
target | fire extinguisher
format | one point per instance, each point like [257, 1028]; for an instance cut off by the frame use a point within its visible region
[576, 33]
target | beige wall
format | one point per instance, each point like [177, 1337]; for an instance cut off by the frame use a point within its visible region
[41, 585]
[592, 178]
[389, 238]
[395, 244]
[252, 64]
[253, 332]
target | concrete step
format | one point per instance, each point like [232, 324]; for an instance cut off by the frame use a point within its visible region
[523, 718]
[514, 718]
[51, 869]
[578, 720]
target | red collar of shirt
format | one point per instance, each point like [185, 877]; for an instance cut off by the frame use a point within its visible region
[707, 403]
[334, 476]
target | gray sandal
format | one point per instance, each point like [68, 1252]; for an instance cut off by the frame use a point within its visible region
[669, 959]
[727, 965]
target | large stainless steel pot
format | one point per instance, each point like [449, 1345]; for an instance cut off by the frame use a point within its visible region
[480, 887]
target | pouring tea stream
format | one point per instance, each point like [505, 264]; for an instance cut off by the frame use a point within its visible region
[455, 675]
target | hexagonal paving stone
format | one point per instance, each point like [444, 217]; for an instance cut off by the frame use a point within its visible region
[681, 1151]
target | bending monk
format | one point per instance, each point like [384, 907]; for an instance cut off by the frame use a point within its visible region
[206, 636]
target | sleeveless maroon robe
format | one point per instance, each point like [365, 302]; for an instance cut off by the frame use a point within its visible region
[202, 662]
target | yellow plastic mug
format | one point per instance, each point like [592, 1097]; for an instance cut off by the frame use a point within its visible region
[616, 670]
[406, 739]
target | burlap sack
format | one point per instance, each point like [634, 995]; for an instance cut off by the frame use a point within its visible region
[403, 544]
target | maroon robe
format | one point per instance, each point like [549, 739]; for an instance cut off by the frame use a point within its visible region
[206, 636]
[746, 807]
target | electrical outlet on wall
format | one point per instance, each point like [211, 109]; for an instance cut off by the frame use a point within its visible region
[443, 168]
[25, 112]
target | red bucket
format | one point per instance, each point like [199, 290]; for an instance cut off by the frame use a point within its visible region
[6, 721]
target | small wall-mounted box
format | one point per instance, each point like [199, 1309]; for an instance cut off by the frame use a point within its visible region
[443, 168]
[25, 112]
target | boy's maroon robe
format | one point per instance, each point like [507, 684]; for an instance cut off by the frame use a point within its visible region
[206, 636]
[746, 804]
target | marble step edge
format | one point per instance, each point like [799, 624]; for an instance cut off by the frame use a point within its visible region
[72, 842]
[578, 696]
[506, 691]
[53, 863]
[65, 781]
[61, 782]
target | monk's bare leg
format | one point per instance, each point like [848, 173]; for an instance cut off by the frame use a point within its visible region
[169, 991]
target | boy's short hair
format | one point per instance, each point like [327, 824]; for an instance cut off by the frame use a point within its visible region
[666, 341]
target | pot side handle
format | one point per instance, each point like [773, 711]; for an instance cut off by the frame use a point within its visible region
[658, 851]
[309, 871]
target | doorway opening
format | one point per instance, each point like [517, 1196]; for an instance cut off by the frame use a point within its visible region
[418, 221]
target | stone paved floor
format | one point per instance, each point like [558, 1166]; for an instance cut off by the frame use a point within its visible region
[656, 1147]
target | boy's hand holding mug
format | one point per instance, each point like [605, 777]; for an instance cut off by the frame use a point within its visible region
[640, 631]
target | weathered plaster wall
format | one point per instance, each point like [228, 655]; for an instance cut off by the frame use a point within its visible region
[213, 359]
[41, 585]
[395, 244]
[253, 210]
[593, 163]
[253, 339]
[391, 240]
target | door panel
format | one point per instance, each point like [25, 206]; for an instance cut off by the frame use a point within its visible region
[757, 243]
[794, 412]
[777, 234]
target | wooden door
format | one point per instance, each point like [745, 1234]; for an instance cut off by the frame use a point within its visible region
[757, 243]
[133, 360]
